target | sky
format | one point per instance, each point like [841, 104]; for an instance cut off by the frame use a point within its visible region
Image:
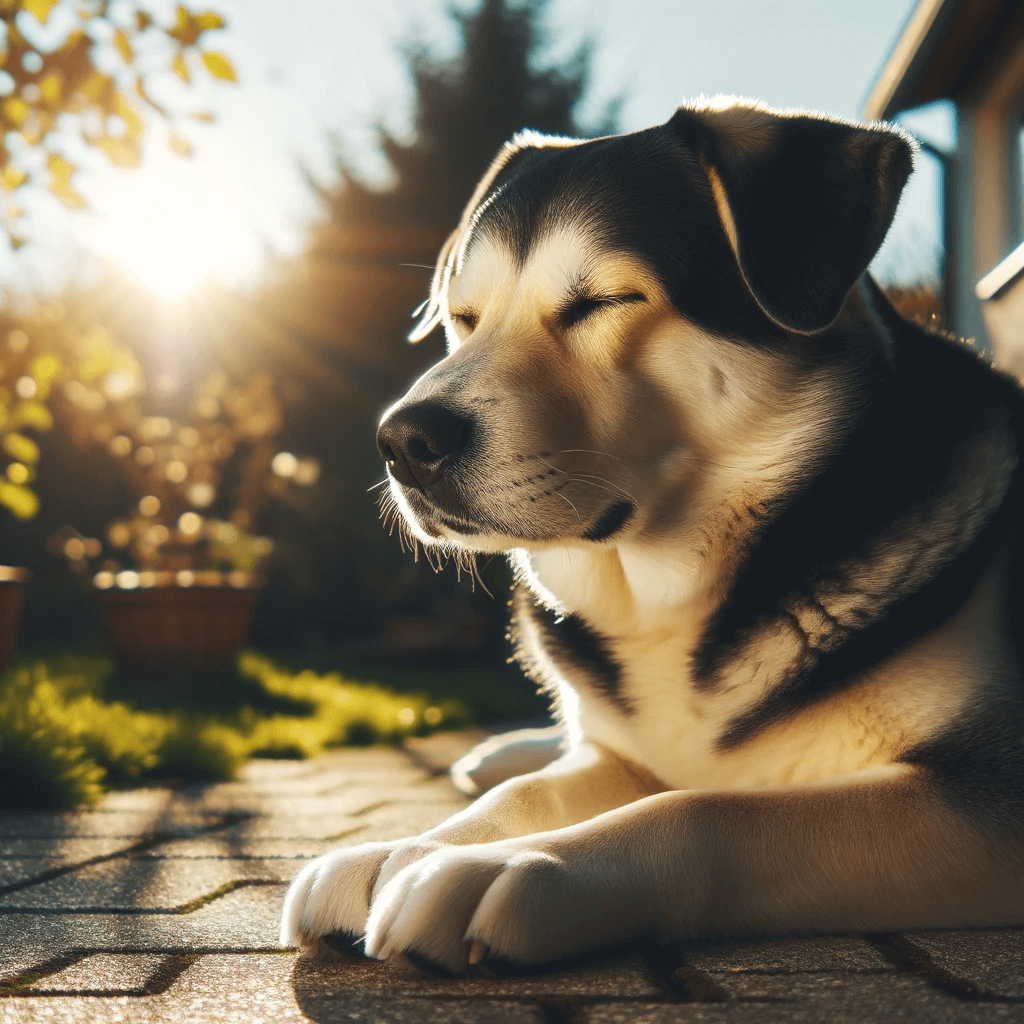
[315, 70]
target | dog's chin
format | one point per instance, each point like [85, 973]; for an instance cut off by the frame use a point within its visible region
[473, 531]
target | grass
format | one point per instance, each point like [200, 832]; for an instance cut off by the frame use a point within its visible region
[69, 727]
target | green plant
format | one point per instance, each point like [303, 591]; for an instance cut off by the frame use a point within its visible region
[62, 738]
[26, 379]
[200, 479]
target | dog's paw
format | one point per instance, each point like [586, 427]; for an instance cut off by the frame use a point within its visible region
[326, 906]
[496, 901]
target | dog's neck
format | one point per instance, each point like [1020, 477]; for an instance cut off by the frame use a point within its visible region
[621, 590]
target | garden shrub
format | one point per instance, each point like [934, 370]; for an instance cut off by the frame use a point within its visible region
[61, 739]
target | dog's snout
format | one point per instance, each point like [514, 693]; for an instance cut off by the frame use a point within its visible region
[415, 441]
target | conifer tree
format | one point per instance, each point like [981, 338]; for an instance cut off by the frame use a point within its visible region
[343, 307]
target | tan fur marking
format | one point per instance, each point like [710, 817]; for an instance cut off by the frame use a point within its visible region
[722, 205]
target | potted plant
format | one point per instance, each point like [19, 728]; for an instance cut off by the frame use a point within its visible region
[177, 576]
[26, 378]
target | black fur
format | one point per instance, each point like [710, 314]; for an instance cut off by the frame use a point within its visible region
[934, 397]
[642, 193]
[570, 643]
[811, 200]
[810, 207]
[610, 521]
[979, 763]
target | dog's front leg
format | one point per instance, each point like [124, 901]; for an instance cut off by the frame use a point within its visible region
[331, 896]
[877, 850]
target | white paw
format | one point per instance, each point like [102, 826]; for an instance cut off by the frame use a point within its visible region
[331, 895]
[501, 901]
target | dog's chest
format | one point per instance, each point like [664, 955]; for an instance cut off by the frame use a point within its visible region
[635, 695]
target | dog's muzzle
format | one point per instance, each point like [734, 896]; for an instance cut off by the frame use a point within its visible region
[419, 441]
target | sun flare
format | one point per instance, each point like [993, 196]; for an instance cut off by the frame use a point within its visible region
[175, 227]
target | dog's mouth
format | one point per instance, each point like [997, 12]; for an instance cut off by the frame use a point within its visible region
[611, 521]
[440, 522]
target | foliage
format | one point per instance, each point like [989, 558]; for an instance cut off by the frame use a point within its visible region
[921, 302]
[26, 379]
[86, 72]
[464, 111]
[62, 738]
[341, 310]
[200, 477]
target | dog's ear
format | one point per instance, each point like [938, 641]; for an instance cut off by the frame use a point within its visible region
[804, 200]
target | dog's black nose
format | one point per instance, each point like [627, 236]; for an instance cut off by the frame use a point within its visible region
[415, 441]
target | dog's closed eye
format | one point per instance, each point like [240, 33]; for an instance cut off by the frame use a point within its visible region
[580, 307]
[467, 318]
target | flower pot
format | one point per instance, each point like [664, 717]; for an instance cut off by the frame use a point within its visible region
[173, 630]
[12, 595]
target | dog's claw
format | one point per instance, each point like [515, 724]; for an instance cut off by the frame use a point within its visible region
[477, 951]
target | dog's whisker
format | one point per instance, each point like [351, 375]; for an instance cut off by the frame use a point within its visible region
[604, 485]
[589, 451]
[570, 504]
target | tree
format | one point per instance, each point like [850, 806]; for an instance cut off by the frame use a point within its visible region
[340, 312]
[87, 75]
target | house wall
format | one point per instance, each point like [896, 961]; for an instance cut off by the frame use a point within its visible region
[986, 179]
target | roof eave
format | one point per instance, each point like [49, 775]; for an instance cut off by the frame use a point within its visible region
[896, 81]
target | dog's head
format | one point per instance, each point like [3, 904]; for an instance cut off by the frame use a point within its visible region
[635, 319]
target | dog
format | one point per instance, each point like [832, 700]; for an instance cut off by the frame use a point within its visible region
[766, 539]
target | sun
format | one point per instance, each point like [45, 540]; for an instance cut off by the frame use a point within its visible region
[175, 225]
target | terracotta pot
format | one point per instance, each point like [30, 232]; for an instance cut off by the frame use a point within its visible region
[176, 630]
[12, 596]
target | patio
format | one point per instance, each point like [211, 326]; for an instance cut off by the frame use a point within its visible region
[163, 905]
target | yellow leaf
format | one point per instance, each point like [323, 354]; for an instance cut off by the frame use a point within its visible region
[179, 145]
[13, 177]
[15, 110]
[219, 66]
[209, 20]
[40, 8]
[45, 367]
[131, 117]
[120, 152]
[93, 88]
[20, 500]
[17, 243]
[49, 86]
[181, 68]
[181, 19]
[203, 116]
[22, 448]
[123, 46]
[60, 182]
[32, 414]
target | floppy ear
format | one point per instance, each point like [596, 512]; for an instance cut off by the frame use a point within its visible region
[805, 201]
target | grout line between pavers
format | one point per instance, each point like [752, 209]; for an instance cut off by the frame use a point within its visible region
[561, 1011]
[907, 956]
[680, 980]
[146, 843]
[183, 908]
[432, 771]
[169, 971]
[370, 808]
[11, 985]
[338, 836]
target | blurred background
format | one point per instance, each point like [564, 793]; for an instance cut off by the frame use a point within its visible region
[216, 223]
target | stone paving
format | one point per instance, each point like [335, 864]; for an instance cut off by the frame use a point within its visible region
[163, 905]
